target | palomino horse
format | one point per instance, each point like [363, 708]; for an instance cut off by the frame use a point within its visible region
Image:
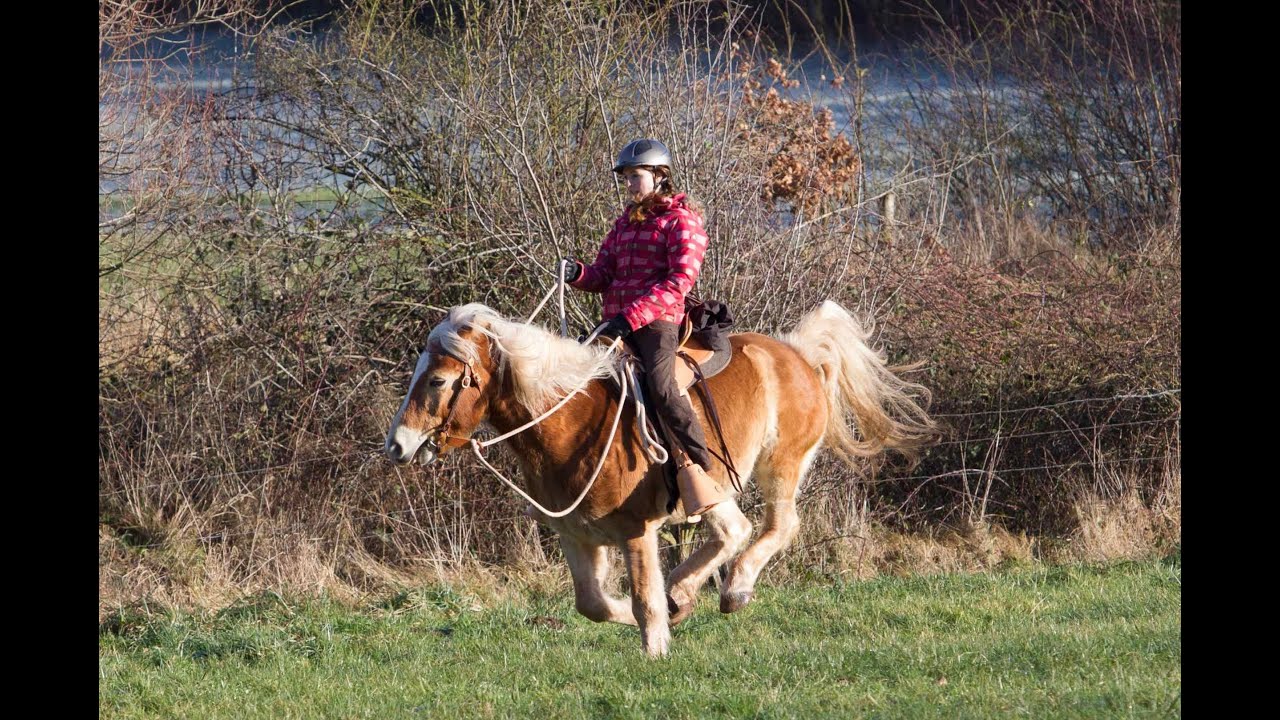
[779, 400]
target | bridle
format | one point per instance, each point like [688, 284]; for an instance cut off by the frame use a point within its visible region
[441, 437]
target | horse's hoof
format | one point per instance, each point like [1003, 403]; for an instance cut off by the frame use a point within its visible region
[735, 601]
[677, 613]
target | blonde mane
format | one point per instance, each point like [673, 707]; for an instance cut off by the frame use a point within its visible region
[544, 367]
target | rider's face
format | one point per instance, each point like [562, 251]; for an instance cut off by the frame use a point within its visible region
[639, 181]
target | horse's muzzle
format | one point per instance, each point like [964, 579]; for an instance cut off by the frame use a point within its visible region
[397, 454]
[403, 453]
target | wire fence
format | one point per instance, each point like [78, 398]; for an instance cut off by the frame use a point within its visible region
[412, 517]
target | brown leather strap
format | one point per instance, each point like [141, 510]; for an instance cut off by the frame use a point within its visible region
[453, 441]
[469, 380]
[710, 403]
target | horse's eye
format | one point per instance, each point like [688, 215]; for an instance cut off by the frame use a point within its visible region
[437, 382]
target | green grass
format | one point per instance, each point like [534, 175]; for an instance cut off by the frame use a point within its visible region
[1071, 641]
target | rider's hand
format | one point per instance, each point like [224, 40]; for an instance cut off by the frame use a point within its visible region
[572, 270]
[617, 327]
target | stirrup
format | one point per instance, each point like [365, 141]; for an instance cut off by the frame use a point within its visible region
[698, 491]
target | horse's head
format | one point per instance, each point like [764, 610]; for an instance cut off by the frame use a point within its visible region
[480, 366]
[448, 395]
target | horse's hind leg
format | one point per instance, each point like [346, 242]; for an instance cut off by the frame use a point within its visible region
[589, 565]
[730, 530]
[778, 483]
[780, 525]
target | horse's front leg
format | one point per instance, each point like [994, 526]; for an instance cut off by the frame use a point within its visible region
[589, 565]
[648, 599]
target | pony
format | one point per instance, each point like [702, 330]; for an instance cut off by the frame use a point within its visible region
[780, 400]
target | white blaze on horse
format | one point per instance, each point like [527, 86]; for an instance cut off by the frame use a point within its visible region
[779, 400]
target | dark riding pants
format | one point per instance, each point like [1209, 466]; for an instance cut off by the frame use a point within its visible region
[656, 345]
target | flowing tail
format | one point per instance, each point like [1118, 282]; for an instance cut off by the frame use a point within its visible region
[888, 413]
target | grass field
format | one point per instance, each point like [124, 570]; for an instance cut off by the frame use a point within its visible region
[1064, 641]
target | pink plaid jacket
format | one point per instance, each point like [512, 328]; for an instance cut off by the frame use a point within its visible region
[646, 269]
